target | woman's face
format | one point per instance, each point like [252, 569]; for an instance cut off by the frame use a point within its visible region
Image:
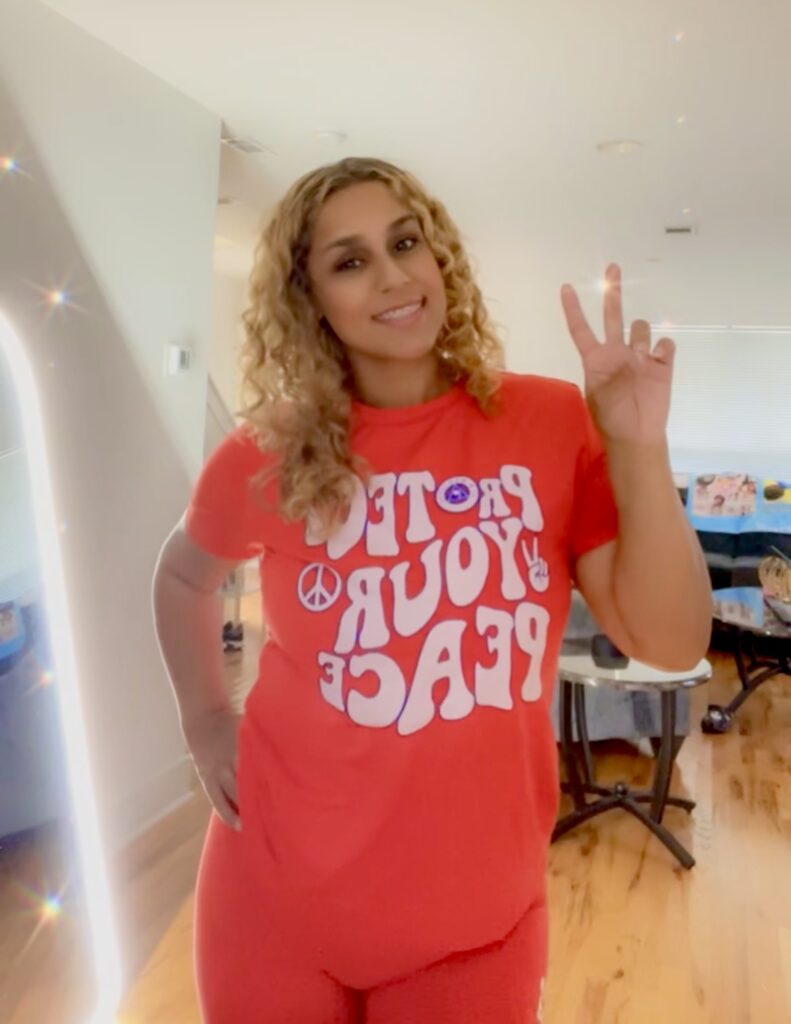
[374, 277]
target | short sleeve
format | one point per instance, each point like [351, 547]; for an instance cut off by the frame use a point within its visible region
[221, 517]
[594, 517]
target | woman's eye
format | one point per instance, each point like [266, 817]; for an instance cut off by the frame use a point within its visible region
[402, 245]
[349, 264]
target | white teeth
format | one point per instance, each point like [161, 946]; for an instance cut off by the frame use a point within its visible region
[398, 314]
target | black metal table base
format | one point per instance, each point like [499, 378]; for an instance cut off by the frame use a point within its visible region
[753, 671]
[581, 782]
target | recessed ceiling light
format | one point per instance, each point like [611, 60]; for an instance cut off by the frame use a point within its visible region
[331, 135]
[679, 37]
[681, 119]
[620, 147]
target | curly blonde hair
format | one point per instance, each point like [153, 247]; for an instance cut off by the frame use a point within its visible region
[296, 377]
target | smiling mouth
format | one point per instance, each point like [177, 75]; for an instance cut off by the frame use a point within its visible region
[400, 312]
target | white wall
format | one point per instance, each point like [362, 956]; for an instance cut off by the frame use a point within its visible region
[133, 164]
[229, 297]
[117, 200]
[731, 404]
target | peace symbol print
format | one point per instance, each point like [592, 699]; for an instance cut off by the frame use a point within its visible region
[318, 587]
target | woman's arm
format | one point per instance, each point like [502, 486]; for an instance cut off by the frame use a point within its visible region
[188, 620]
[649, 589]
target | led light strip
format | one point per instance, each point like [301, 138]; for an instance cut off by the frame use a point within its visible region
[106, 964]
[720, 329]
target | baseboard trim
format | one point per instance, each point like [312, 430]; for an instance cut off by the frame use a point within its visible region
[150, 803]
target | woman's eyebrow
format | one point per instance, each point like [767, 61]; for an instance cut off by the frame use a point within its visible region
[342, 243]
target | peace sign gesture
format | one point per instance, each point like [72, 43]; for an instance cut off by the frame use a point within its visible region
[627, 386]
[537, 567]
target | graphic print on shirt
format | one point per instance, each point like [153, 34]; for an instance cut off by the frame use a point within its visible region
[502, 545]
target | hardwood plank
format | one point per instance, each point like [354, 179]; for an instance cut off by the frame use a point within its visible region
[165, 991]
[153, 878]
[636, 938]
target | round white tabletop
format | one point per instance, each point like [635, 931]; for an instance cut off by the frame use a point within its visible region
[581, 668]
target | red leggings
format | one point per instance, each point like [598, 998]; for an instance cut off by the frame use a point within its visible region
[246, 974]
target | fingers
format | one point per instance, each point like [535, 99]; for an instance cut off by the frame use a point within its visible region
[227, 780]
[579, 328]
[530, 559]
[581, 334]
[540, 578]
[665, 351]
[534, 561]
[613, 307]
[640, 336]
[219, 801]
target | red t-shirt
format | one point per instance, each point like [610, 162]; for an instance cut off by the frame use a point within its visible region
[398, 757]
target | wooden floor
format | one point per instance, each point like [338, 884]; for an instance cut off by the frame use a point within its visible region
[635, 939]
[639, 940]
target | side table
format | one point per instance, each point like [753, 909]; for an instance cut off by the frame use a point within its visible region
[575, 673]
[745, 613]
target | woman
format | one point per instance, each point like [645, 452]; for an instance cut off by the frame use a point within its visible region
[379, 847]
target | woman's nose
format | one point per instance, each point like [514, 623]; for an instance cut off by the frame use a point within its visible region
[391, 275]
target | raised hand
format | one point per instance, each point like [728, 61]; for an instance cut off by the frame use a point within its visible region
[627, 385]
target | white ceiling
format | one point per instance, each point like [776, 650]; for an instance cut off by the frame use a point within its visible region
[499, 106]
